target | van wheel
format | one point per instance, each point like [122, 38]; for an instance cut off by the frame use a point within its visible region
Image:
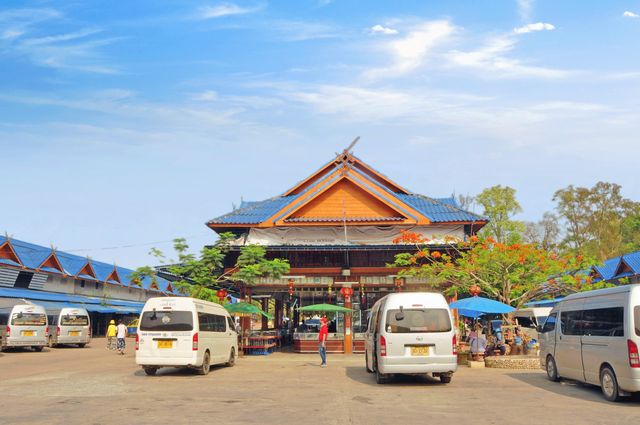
[366, 362]
[232, 358]
[445, 379]
[38, 349]
[381, 378]
[81, 345]
[150, 370]
[552, 370]
[206, 364]
[609, 384]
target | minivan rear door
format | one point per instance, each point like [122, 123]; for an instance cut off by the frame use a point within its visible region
[418, 334]
[167, 334]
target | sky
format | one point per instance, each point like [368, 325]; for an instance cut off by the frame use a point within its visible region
[124, 125]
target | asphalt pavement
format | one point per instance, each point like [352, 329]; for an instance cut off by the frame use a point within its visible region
[94, 386]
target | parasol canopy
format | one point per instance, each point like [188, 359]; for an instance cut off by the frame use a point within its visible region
[328, 308]
[475, 306]
[246, 309]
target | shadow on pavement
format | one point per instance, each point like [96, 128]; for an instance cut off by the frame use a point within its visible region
[359, 374]
[176, 372]
[569, 388]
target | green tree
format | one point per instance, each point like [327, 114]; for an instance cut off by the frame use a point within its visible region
[595, 218]
[631, 230]
[545, 233]
[511, 273]
[200, 276]
[499, 206]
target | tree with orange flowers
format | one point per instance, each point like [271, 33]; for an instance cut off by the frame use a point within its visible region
[510, 273]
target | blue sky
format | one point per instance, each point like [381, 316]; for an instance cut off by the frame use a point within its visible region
[126, 124]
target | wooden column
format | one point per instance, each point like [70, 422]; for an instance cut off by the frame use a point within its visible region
[265, 308]
[279, 314]
[348, 331]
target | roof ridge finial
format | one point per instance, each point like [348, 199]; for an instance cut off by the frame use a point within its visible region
[346, 154]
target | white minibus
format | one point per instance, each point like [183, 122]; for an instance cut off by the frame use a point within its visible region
[411, 333]
[22, 325]
[531, 319]
[594, 337]
[185, 332]
[68, 325]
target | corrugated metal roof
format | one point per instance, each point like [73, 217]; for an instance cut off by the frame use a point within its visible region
[608, 269]
[437, 210]
[32, 256]
[633, 261]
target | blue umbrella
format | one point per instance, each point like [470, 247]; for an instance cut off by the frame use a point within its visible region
[478, 305]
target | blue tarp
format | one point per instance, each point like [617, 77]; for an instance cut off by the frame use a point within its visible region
[476, 305]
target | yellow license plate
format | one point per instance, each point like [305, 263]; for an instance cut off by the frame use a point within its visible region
[165, 344]
[419, 351]
[74, 333]
[27, 333]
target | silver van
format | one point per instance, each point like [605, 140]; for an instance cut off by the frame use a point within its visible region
[594, 337]
[68, 325]
[411, 333]
[22, 325]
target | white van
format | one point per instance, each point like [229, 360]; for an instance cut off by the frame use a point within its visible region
[178, 332]
[22, 325]
[531, 319]
[594, 337]
[68, 325]
[411, 333]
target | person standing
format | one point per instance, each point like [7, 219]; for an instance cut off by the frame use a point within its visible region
[111, 335]
[322, 338]
[120, 336]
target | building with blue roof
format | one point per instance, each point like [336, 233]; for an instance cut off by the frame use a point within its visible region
[47, 276]
[340, 227]
[615, 269]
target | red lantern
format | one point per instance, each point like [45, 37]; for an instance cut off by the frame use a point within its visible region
[346, 292]
[291, 282]
[222, 293]
[475, 290]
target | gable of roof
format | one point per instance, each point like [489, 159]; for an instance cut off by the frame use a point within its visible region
[403, 207]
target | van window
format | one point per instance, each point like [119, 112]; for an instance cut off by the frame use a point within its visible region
[73, 320]
[373, 320]
[603, 321]
[525, 322]
[571, 323]
[636, 315]
[550, 323]
[28, 319]
[4, 319]
[212, 322]
[174, 320]
[418, 321]
[232, 325]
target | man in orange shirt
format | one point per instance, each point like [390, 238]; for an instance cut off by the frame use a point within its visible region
[322, 338]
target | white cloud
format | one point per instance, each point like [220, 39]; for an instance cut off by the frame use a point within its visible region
[629, 14]
[379, 29]
[410, 52]
[302, 30]
[10, 34]
[492, 60]
[525, 8]
[206, 96]
[225, 9]
[538, 26]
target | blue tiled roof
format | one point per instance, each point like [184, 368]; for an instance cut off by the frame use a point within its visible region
[437, 210]
[32, 256]
[255, 212]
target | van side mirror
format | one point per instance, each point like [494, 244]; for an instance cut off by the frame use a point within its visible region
[539, 328]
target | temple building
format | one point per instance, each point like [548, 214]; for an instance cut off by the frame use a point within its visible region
[337, 229]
